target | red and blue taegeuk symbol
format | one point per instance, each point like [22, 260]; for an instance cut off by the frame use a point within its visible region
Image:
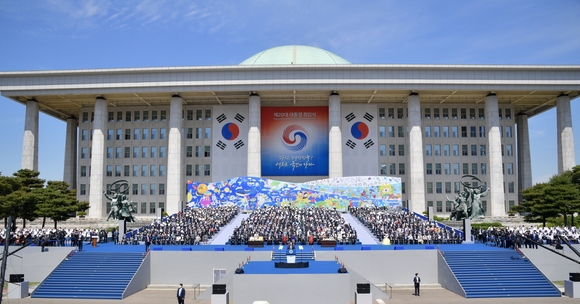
[230, 131]
[359, 130]
[294, 138]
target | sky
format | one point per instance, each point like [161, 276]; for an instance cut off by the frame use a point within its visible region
[70, 34]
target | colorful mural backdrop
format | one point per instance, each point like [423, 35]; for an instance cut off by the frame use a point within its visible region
[250, 193]
[294, 141]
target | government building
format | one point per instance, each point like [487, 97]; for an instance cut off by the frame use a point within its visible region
[297, 114]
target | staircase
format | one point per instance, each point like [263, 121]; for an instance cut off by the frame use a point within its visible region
[91, 275]
[301, 255]
[498, 274]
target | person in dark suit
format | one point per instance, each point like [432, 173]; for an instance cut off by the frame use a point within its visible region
[147, 242]
[180, 294]
[80, 242]
[417, 282]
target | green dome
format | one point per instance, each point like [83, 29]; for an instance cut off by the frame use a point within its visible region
[294, 54]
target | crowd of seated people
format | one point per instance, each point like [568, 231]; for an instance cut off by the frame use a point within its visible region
[300, 226]
[192, 226]
[54, 236]
[399, 227]
[526, 237]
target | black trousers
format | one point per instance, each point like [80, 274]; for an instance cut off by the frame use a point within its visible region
[417, 288]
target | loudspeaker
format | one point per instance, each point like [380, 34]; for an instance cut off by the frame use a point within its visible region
[342, 270]
[574, 276]
[239, 270]
[218, 289]
[363, 288]
[16, 278]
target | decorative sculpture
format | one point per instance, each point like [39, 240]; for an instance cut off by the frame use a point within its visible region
[467, 204]
[121, 208]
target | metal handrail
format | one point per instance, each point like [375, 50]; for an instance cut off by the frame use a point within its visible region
[387, 289]
[196, 291]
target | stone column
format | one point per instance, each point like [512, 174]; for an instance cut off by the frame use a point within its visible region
[566, 157]
[416, 173]
[334, 137]
[254, 137]
[30, 141]
[524, 159]
[96, 196]
[496, 195]
[175, 187]
[70, 153]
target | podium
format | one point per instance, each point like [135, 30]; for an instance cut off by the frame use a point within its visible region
[290, 259]
[220, 298]
[572, 289]
[18, 290]
[94, 240]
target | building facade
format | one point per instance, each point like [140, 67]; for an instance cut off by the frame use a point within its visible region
[157, 128]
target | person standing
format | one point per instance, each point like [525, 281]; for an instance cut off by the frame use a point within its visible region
[147, 242]
[80, 241]
[180, 294]
[417, 282]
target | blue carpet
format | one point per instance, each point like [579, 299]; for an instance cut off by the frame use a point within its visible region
[316, 267]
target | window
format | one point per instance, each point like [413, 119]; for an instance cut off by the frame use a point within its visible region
[391, 113]
[445, 131]
[474, 168]
[127, 152]
[464, 131]
[137, 115]
[454, 132]
[500, 131]
[456, 187]
[144, 152]
[481, 131]
[144, 170]
[501, 150]
[429, 168]
[454, 113]
[383, 150]
[445, 113]
[464, 150]
[162, 152]
[117, 170]
[162, 171]
[455, 150]
[189, 151]
[135, 170]
[463, 113]
[382, 131]
[481, 113]
[447, 206]
[161, 189]
[510, 168]
[473, 131]
[143, 207]
[403, 187]
[145, 115]
[382, 113]
[508, 114]
[152, 207]
[436, 113]
[429, 204]
[400, 131]
[473, 150]
[188, 171]
[198, 114]
[465, 168]
[437, 150]
[508, 131]
[110, 134]
[511, 187]
[111, 116]
[189, 115]
[109, 152]
[438, 187]
[153, 115]
[436, 132]
[119, 116]
[84, 134]
[447, 168]
[163, 116]
[128, 116]
[400, 113]
[197, 151]
[135, 189]
[143, 189]
[391, 131]
[392, 169]
[207, 114]
[162, 133]
[401, 169]
[427, 131]
[135, 152]
[152, 189]
[471, 113]
[206, 151]
[197, 170]
[153, 152]
[153, 170]
[401, 150]
[83, 171]
[448, 188]
[206, 170]
[126, 170]
[456, 169]
[383, 168]
[153, 133]
[482, 149]
[85, 117]
[109, 170]
[483, 168]
[118, 152]
[438, 169]
[446, 150]
[207, 133]
[83, 190]
[427, 150]
[427, 113]
[145, 134]
[127, 134]
[429, 187]
[439, 206]
[509, 150]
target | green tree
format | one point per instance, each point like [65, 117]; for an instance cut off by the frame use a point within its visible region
[536, 206]
[565, 195]
[58, 202]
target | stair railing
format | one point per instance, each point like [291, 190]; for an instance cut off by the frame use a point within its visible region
[196, 291]
[388, 288]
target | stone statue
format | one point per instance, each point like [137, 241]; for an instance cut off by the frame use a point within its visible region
[121, 208]
[477, 211]
[467, 204]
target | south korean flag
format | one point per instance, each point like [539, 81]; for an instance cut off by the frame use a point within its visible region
[230, 138]
[359, 136]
